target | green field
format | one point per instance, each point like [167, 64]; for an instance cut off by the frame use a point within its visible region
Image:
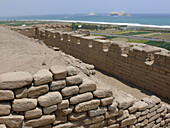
[135, 33]
[162, 44]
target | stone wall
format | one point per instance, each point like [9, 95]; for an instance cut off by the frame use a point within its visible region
[31, 31]
[142, 65]
[61, 98]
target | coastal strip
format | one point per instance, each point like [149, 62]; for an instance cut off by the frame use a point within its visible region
[92, 22]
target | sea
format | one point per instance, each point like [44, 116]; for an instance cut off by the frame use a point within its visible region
[141, 20]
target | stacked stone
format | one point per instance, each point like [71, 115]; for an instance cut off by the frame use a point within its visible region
[48, 98]
[60, 98]
[147, 113]
[86, 105]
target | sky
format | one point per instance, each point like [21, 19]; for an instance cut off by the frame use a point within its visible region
[45, 7]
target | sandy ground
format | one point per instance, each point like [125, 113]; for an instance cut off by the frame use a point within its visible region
[20, 53]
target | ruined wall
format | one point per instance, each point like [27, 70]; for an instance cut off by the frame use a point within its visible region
[32, 31]
[142, 65]
[60, 98]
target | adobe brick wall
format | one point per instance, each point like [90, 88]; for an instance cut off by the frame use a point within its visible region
[142, 65]
[60, 98]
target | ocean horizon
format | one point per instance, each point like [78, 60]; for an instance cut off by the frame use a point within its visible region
[141, 20]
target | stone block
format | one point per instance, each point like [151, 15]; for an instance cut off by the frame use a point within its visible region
[74, 80]
[12, 121]
[158, 120]
[161, 109]
[167, 121]
[155, 99]
[15, 80]
[64, 112]
[33, 114]
[113, 106]
[60, 119]
[167, 116]
[86, 106]
[111, 114]
[102, 93]
[149, 115]
[57, 85]
[141, 105]
[106, 101]
[71, 71]
[111, 121]
[137, 114]
[63, 104]
[145, 112]
[114, 126]
[5, 108]
[69, 91]
[133, 109]
[81, 98]
[59, 72]
[77, 116]
[49, 109]
[49, 99]
[157, 125]
[97, 112]
[93, 120]
[163, 123]
[125, 114]
[138, 125]
[21, 93]
[42, 77]
[154, 117]
[36, 91]
[168, 108]
[129, 121]
[119, 118]
[150, 125]
[164, 112]
[141, 118]
[3, 126]
[98, 125]
[67, 125]
[154, 108]
[149, 101]
[143, 123]
[125, 102]
[87, 86]
[44, 120]
[20, 105]
[46, 126]
[6, 95]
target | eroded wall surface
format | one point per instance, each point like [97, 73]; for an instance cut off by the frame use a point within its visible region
[142, 65]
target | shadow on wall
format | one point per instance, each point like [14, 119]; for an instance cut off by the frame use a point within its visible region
[139, 64]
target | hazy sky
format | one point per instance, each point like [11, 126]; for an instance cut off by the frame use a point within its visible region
[41, 7]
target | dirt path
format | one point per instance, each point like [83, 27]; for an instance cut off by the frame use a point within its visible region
[19, 53]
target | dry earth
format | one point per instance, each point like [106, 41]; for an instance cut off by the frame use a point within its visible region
[20, 53]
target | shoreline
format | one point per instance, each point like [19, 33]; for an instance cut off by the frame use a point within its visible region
[106, 23]
[102, 23]
[128, 24]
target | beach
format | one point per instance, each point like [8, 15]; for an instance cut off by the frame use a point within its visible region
[135, 20]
